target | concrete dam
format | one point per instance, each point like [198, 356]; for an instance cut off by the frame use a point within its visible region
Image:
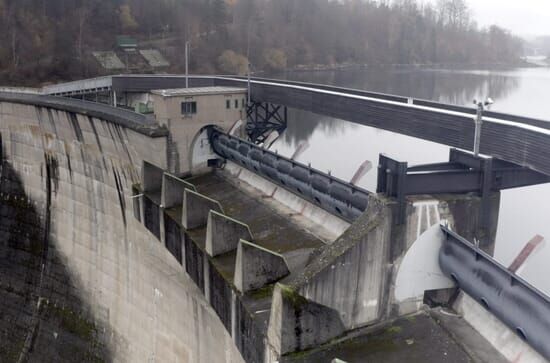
[173, 234]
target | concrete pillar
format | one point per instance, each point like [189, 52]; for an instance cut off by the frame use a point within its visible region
[172, 190]
[196, 208]
[206, 276]
[223, 234]
[233, 316]
[151, 177]
[142, 209]
[162, 227]
[256, 267]
[183, 251]
[296, 324]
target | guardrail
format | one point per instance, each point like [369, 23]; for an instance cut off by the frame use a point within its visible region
[77, 87]
[526, 144]
[27, 90]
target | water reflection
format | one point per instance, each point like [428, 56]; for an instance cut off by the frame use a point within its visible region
[302, 124]
[454, 87]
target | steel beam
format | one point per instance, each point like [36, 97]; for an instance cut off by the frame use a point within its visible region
[464, 173]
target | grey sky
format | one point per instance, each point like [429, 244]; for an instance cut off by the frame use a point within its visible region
[525, 17]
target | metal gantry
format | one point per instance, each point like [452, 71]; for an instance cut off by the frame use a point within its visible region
[263, 118]
[464, 173]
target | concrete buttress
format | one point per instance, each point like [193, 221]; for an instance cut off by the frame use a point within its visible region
[256, 267]
[223, 234]
[196, 208]
[296, 323]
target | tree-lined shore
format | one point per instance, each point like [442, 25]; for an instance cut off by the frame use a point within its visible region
[51, 40]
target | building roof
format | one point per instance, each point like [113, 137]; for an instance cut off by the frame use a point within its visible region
[154, 58]
[197, 91]
[109, 60]
[125, 41]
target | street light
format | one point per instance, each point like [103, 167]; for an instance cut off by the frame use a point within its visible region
[479, 122]
[187, 64]
[249, 88]
[249, 31]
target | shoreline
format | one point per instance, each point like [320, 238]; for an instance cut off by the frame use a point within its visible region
[344, 67]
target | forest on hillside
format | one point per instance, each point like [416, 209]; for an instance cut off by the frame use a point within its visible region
[51, 40]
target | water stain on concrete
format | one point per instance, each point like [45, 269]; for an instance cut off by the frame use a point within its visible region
[42, 319]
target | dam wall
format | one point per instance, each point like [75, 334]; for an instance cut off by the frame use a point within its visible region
[80, 278]
[110, 257]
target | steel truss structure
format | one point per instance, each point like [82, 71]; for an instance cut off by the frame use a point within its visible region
[263, 118]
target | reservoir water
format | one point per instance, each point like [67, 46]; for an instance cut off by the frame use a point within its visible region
[341, 146]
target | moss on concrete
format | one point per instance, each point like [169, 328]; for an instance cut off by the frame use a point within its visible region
[73, 322]
[394, 329]
[263, 293]
[290, 294]
[137, 187]
[379, 344]
[13, 351]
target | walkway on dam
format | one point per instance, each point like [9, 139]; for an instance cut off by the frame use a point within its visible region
[123, 117]
[521, 140]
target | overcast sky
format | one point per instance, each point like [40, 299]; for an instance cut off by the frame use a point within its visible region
[524, 17]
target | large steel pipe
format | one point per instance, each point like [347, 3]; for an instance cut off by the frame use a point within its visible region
[517, 304]
[333, 195]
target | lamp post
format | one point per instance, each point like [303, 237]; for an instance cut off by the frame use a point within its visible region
[479, 122]
[187, 64]
[249, 65]
[249, 88]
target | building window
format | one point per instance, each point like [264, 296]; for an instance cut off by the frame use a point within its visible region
[243, 103]
[228, 104]
[236, 103]
[188, 108]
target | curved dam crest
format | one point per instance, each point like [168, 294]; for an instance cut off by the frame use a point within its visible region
[80, 278]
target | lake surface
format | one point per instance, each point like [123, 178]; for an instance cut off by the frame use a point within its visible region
[341, 146]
